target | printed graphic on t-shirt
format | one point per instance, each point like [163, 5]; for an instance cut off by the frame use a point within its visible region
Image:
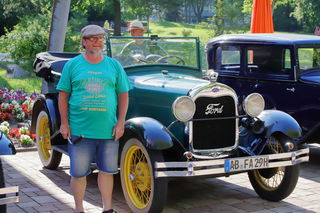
[96, 100]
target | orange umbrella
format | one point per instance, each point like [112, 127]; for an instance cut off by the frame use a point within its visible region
[261, 19]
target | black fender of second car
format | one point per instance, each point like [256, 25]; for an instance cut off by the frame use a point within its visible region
[48, 104]
[278, 121]
[6, 145]
[152, 133]
[6, 193]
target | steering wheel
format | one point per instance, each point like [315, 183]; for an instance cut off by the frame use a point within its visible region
[153, 58]
[140, 58]
[180, 60]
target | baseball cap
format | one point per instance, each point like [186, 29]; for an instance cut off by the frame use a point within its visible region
[135, 25]
[92, 29]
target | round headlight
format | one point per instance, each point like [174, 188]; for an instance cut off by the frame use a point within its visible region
[253, 104]
[183, 108]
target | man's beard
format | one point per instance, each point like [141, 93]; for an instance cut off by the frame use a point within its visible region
[95, 52]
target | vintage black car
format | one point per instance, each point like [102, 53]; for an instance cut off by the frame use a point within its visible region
[181, 123]
[7, 194]
[283, 68]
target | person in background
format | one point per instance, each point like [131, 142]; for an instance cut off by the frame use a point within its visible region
[93, 101]
[139, 49]
[317, 31]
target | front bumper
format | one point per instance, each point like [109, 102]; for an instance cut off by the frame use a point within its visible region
[222, 166]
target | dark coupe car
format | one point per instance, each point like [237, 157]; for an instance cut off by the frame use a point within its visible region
[283, 68]
[181, 123]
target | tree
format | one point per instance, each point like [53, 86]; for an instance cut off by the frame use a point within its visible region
[247, 5]
[58, 27]
[11, 11]
[307, 14]
[117, 17]
[198, 6]
[283, 17]
[141, 8]
[171, 9]
[218, 19]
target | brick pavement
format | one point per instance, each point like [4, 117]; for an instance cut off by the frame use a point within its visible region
[43, 190]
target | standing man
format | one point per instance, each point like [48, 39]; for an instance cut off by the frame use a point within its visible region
[93, 102]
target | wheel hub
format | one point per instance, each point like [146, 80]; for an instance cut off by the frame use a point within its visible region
[142, 176]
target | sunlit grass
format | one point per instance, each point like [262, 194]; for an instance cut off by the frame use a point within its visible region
[29, 85]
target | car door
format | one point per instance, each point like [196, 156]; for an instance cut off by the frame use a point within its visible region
[272, 72]
[269, 71]
[307, 87]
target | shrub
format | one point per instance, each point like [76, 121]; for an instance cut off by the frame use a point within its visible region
[4, 129]
[23, 130]
[72, 40]
[186, 33]
[26, 140]
[5, 123]
[202, 25]
[29, 37]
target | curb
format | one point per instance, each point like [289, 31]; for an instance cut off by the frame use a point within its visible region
[26, 149]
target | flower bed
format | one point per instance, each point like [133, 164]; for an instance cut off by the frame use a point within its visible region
[16, 106]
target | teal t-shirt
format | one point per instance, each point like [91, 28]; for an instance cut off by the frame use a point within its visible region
[94, 90]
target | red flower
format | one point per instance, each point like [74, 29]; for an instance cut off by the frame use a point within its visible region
[26, 110]
[9, 109]
[32, 136]
[6, 116]
[15, 133]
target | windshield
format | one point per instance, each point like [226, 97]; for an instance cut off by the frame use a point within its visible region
[154, 50]
[309, 58]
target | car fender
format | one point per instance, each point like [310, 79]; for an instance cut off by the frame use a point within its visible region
[278, 121]
[150, 131]
[6, 145]
[47, 104]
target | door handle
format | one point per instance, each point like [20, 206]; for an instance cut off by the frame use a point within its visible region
[291, 89]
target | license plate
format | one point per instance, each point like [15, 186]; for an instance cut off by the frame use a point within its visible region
[248, 163]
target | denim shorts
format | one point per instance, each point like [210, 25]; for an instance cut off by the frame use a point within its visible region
[104, 152]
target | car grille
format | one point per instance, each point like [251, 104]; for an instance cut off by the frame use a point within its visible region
[214, 134]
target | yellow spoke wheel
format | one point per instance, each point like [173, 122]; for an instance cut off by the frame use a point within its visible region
[274, 184]
[140, 187]
[49, 157]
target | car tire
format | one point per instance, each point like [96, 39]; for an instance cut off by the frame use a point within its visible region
[50, 158]
[143, 192]
[275, 184]
[3, 208]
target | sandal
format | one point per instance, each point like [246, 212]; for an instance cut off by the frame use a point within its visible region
[110, 211]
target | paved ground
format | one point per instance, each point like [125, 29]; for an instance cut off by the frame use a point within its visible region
[42, 190]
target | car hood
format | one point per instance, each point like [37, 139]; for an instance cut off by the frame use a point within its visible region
[311, 77]
[172, 81]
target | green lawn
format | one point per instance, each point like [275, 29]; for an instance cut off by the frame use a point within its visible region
[29, 85]
[174, 29]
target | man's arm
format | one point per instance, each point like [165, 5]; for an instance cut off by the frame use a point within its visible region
[63, 109]
[123, 101]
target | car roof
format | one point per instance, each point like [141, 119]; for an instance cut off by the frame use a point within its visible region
[266, 38]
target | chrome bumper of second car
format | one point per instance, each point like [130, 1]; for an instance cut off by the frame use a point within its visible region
[14, 198]
[220, 166]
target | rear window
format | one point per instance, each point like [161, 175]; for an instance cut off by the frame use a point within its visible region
[309, 59]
